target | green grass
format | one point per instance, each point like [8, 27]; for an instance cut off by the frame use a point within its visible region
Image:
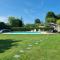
[42, 47]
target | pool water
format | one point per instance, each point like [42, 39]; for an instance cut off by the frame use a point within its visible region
[22, 33]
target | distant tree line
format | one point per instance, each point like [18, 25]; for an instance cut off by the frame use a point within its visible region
[17, 24]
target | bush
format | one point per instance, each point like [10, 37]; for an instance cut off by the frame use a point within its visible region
[47, 28]
[29, 29]
[18, 29]
[21, 29]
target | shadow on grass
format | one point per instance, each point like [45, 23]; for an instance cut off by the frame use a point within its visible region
[6, 44]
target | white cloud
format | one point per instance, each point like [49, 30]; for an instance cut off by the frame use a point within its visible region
[3, 19]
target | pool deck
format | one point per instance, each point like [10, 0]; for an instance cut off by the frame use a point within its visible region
[47, 33]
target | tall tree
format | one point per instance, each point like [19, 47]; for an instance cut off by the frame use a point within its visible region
[11, 21]
[50, 17]
[37, 21]
[15, 22]
[19, 22]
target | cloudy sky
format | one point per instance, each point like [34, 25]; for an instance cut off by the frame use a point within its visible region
[28, 9]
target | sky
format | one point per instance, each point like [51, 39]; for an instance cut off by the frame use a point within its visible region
[28, 9]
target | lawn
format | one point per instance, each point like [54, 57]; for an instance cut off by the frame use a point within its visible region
[30, 47]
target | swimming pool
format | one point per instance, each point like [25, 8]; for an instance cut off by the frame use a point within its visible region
[23, 33]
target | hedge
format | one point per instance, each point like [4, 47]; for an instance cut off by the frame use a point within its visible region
[29, 29]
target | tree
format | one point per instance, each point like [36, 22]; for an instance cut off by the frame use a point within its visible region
[50, 17]
[58, 16]
[50, 14]
[51, 20]
[15, 22]
[37, 21]
[11, 21]
[29, 25]
[4, 26]
[18, 23]
[58, 22]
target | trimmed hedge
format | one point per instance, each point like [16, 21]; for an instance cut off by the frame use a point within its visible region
[21, 29]
[29, 29]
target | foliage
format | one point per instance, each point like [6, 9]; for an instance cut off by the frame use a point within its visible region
[50, 14]
[58, 22]
[37, 25]
[21, 28]
[58, 16]
[48, 28]
[50, 17]
[18, 25]
[37, 21]
[4, 26]
[15, 22]
[50, 20]
[18, 29]
[29, 25]
[11, 20]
